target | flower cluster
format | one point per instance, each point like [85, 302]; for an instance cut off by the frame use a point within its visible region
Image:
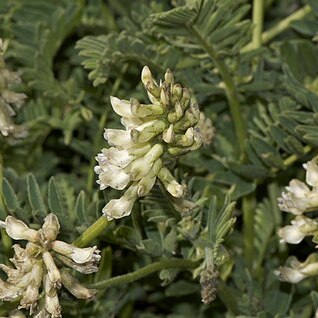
[154, 135]
[298, 199]
[9, 98]
[36, 266]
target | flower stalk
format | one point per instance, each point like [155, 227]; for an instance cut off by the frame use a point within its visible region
[145, 271]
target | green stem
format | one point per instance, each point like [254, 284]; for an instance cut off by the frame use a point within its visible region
[280, 27]
[248, 207]
[92, 232]
[230, 90]
[145, 271]
[258, 18]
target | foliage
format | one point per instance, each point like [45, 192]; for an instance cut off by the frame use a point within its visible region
[73, 55]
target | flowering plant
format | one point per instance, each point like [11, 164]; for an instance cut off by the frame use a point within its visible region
[158, 158]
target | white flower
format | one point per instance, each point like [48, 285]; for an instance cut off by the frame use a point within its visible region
[154, 135]
[297, 271]
[35, 264]
[298, 199]
[118, 208]
[78, 255]
[300, 228]
[114, 177]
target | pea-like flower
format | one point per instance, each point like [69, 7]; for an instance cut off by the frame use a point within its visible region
[9, 98]
[299, 198]
[297, 271]
[39, 263]
[300, 227]
[153, 136]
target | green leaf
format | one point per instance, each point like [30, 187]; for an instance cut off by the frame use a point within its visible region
[57, 204]
[35, 196]
[81, 207]
[11, 199]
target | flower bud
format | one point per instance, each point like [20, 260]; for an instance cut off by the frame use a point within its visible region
[155, 128]
[170, 183]
[311, 173]
[147, 182]
[142, 111]
[168, 135]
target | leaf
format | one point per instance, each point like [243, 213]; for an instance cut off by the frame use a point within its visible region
[105, 52]
[57, 204]
[35, 196]
[220, 222]
[11, 199]
[81, 207]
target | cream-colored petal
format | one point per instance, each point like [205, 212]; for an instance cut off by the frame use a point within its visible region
[121, 107]
[18, 230]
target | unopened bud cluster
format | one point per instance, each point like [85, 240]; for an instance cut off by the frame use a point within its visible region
[8, 99]
[154, 135]
[300, 198]
[37, 268]
[209, 281]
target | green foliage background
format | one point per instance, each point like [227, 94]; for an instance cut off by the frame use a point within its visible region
[74, 54]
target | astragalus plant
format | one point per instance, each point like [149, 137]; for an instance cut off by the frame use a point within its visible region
[158, 158]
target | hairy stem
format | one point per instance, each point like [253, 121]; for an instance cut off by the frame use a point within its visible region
[92, 232]
[145, 271]
[279, 27]
[230, 90]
